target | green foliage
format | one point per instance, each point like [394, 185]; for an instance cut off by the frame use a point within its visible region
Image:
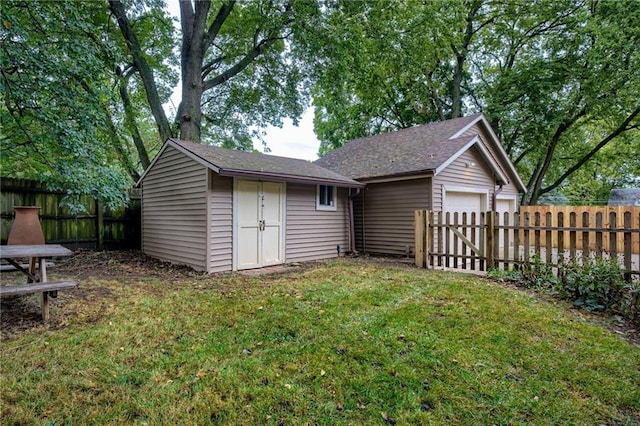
[557, 79]
[384, 66]
[276, 83]
[59, 63]
[563, 89]
[535, 275]
[591, 283]
[598, 285]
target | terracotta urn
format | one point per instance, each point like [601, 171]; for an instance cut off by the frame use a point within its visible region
[26, 228]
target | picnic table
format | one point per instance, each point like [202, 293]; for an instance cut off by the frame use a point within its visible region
[36, 272]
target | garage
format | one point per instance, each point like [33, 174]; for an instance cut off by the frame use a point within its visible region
[465, 201]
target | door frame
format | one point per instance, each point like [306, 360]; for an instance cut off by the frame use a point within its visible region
[235, 225]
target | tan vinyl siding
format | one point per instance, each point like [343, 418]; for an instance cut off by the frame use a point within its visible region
[313, 234]
[174, 210]
[387, 223]
[220, 223]
[457, 175]
[478, 178]
[478, 129]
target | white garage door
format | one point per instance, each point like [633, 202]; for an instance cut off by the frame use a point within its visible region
[464, 202]
[505, 205]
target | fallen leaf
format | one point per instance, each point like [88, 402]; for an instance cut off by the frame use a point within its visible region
[287, 385]
[201, 374]
[322, 372]
[388, 419]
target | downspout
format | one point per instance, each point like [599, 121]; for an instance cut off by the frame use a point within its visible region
[352, 227]
[495, 195]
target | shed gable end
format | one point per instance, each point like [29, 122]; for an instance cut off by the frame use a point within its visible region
[174, 210]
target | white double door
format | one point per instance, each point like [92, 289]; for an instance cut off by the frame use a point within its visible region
[259, 213]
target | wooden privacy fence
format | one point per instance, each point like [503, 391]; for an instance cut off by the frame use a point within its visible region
[492, 240]
[97, 227]
[606, 217]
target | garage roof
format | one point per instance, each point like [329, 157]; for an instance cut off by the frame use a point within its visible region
[416, 150]
[229, 162]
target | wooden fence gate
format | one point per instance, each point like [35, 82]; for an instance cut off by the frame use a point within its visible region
[482, 241]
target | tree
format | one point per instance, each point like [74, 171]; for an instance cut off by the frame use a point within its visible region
[393, 65]
[56, 93]
[238, 68]
[565, 87]
[123, 72]
[85, 83]
[557, 79]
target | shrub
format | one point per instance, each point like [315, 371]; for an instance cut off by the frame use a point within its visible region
[593, 284]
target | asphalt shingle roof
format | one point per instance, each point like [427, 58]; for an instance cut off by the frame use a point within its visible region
[407, 151]
[624, 197]
[238, 163]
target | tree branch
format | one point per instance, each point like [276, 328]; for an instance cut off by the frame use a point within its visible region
[130, 122]
[216, 25]
[211, 65]
[242, 64]
[146, 74]
[623, 127]
[562, 128]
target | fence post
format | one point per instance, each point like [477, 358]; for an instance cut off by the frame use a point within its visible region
[490, 250]
[627, 246]
[428, 239]
[419, 238]
[99, 226]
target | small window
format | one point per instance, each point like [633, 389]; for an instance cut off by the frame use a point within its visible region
[326, 199]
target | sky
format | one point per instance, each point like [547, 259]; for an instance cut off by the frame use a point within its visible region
[291, 141]
[288, 141]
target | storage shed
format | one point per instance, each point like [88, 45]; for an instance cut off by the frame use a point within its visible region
[457, 165]
[216, 209]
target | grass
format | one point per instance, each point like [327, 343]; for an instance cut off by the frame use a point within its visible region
[345, 343]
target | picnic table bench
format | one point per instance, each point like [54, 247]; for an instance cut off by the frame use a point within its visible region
[36, 272]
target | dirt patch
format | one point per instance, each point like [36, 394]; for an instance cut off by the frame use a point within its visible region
[100, 276]
[105, 278]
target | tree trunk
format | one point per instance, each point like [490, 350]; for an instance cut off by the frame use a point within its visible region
[141, 64]
[130, 123]
[191, 59]
[190, 113]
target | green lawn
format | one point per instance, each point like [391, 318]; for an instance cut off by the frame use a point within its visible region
[350, 342]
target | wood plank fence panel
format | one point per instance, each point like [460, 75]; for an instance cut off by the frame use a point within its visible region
[463, 241]
[96, 227]
[606, 211]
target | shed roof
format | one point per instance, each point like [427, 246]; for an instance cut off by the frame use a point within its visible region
[415, 150]
[229, 162]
